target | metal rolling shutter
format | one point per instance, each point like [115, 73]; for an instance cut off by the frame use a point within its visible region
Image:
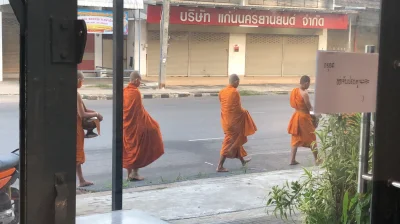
[208, 54]
[178, 54]
[10, 46]
[108, 52]
[153, 53]
[263, 55]
[299, 55]
[338, 40]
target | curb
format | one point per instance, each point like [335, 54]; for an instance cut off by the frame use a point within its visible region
[177, 95]
[167, 95]
[151, 96]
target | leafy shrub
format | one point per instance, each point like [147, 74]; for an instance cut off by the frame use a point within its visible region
[328, 194]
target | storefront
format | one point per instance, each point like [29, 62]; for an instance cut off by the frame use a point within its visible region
[221, 41]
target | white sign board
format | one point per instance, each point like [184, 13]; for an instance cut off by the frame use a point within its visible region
[345, 82]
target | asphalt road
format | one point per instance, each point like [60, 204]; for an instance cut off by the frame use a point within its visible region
[192, 136]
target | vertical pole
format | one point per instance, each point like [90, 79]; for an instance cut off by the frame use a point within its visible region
[140, 40]
[1, 47]
[164, 44]
[386, 198]
[48, 92]
[350, 37]
[118, 82]
[364, 142]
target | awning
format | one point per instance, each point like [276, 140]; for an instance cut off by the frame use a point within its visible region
[128, 4]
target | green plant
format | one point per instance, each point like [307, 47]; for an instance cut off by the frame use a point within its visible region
[328, 195]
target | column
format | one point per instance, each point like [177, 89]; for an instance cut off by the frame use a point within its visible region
[323, 40]
[1, 47]
[237, 59]
[130, 44]
[98, 50]
[140, 48]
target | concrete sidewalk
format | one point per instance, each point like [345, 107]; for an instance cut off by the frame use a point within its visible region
[92, 90]
[236, 199]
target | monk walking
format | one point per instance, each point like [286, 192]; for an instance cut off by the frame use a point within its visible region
[142, 138]
[236, 122]
[80, 133]
[301, 126]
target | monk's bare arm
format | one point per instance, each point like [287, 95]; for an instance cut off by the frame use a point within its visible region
[81, 111]
[306, 99]
[240, 108]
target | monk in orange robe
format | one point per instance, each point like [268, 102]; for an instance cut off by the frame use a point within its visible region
[142, 140]
[236, 123]
[301, 126]
[80, 133]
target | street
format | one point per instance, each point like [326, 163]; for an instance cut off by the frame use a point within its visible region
[192, 136]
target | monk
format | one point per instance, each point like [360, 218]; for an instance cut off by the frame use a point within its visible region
[142, 140]
[80, 133]
[301, 126]
[236, 123]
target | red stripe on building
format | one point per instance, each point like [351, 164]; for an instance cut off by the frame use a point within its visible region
[241, 17]
[86, 65]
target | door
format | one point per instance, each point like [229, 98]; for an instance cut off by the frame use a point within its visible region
[10, 46]
[208, 54]
[263, 55]
[153, 53]
[299, 55]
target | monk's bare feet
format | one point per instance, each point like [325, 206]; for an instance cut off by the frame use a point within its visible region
[294, 163]
[85, 184]
[222, 170]
[135, 178]
[244, 163]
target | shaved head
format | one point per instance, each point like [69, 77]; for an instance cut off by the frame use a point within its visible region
[80, 75]
[305, 79]
[233, 79]
[135, 75]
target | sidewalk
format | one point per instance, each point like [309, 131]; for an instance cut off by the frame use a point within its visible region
[101, 89]
[237, 199]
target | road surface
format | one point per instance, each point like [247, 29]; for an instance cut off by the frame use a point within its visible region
[192, 135]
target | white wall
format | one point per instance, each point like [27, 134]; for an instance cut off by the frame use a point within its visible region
[130, 43]
[323, 40]
[140, 46]
[98, 50]
[237, 60]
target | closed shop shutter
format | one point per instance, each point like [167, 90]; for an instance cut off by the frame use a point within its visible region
[338, 40]
[108, 52]
[10, 46]
[209, 54]
[178, 54]
[153, 53]
[263, 55]
[299, 55]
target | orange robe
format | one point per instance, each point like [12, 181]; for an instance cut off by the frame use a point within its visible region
[80, 140]
[236, 123]
[142, 138]
[300, 126]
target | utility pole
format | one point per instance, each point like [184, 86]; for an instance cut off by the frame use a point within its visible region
[164, 44]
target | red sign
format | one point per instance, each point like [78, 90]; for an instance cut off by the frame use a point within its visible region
[256, 18]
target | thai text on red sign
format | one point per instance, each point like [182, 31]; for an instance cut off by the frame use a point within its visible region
[260, 18]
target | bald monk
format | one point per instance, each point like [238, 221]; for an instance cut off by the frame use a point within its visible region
[142, 138]
[301, 126]
[80, 133]
[236, 123]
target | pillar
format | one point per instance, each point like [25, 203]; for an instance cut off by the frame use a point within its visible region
[140, 46]
[98, 50]
[323, 40]
[130, 45]
[1, 47]
[237, 60]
